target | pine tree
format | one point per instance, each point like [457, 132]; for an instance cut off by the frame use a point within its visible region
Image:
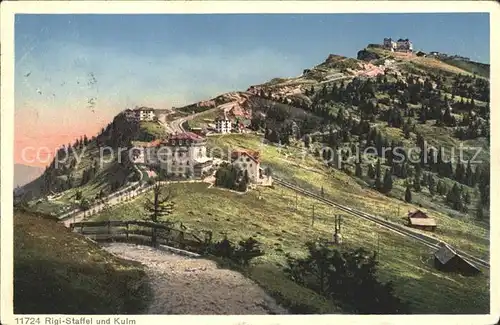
[467, 198]
[359, 170]
[479, 211]
[425, 180]
[387, 186]
[416, 183]
[378, 183]
[408, 194]
[378, 171]
[246, 178]
[454, 197]
[404, 170]
[460, 173]
[469, 175]
[431, 183]
[161, 205]
[371, 171]
[432, 188]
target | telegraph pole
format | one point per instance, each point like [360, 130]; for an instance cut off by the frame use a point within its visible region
[378, 243]
[337, 237]
[312, 223]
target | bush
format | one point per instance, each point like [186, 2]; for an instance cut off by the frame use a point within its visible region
[241, 254]
[346, 276]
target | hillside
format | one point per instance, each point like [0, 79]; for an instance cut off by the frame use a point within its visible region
[478, 68]
[281, 228]
[380, 114]
[415, 102]
[80, 174]
[59, 272]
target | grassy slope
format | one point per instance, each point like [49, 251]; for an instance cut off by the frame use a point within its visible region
[426, 63]
[202, 119]
[152, 129]
[481, 69]
[57, 272]
[464, 234]
[274, 221]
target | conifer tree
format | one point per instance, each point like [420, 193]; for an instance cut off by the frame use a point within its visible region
[378, 171]
[460, 173]
[371, 171]
[359, 171]
[416, 183]
[408, 194]
[387, 186]
[469, 175]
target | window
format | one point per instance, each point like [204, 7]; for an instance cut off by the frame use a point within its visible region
[248, 159]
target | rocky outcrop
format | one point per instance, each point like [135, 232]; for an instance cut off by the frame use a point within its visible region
[367, 55]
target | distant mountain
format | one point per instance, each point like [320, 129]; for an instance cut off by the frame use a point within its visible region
[23, 174]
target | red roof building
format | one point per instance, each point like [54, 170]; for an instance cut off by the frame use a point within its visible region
[247, 161]
[252, 154]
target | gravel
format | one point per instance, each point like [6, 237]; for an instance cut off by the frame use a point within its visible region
[195, 286]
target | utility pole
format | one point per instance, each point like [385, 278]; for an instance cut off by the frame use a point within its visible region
[312, 223]
[378, 243]
[337, 237]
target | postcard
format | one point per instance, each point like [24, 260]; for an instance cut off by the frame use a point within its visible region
[290, 161]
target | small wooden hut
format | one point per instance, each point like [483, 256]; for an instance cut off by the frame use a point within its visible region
[446, 259]
[418, 219]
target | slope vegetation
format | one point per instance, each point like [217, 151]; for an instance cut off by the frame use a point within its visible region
[59, 272]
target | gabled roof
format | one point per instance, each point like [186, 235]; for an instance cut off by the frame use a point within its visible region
[254, 155]
[417, 214]
[445, 253]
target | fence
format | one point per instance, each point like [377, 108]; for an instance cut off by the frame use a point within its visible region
[143, 232]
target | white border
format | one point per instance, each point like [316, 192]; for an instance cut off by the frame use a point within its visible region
[178, 7]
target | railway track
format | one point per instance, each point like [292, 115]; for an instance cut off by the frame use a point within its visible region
[399, 229]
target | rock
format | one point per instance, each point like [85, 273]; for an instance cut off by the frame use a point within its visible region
[367, 55]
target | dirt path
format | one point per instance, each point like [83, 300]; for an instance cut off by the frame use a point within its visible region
[183, 285]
